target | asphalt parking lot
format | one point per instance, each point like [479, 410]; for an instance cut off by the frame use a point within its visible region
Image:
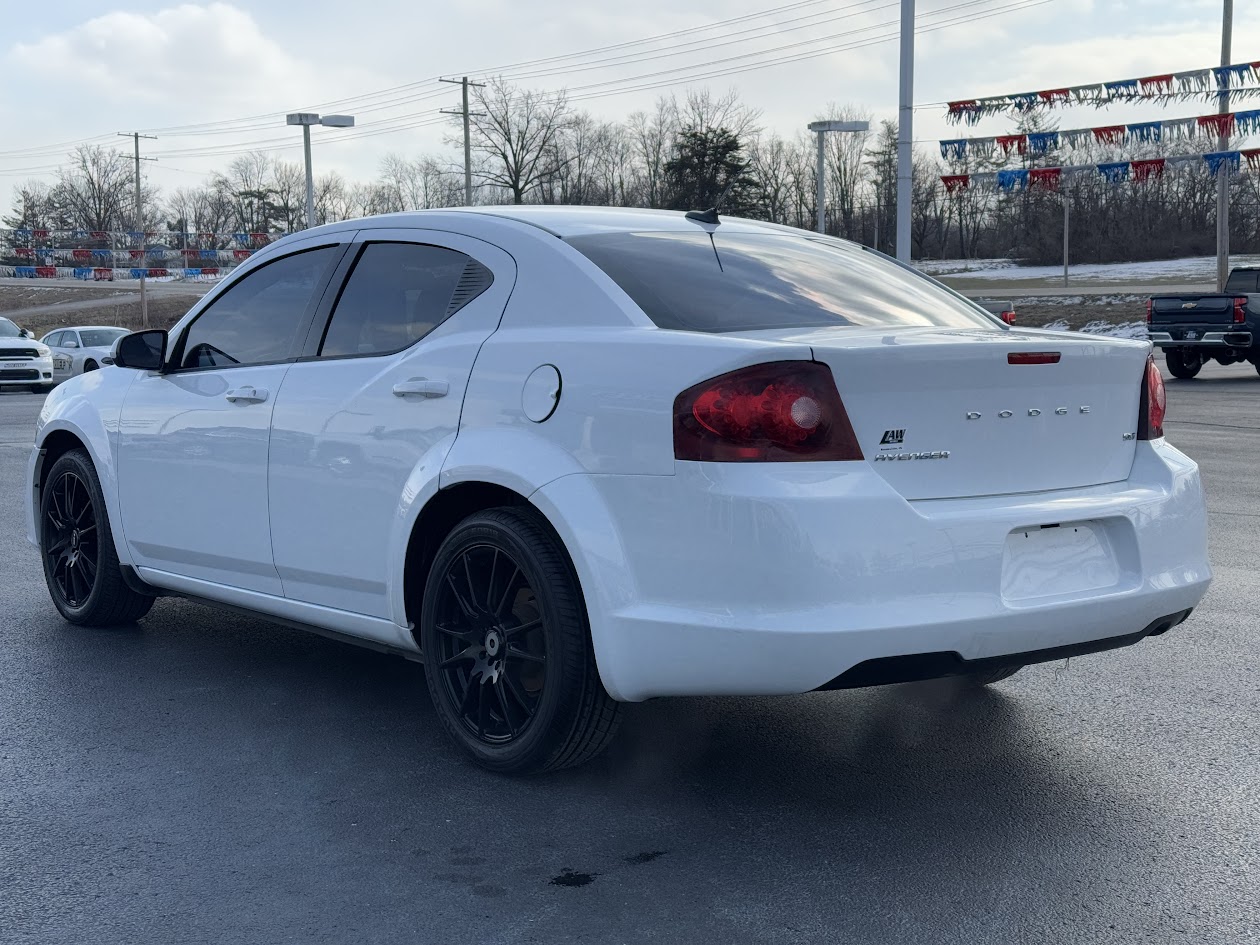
[212, 778]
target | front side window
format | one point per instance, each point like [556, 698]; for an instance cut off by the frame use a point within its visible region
[739, 281]
[258, 319]
[54, 340]
[397, 293]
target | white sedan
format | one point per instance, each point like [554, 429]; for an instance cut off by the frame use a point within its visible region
[577, 457]
[76, 350]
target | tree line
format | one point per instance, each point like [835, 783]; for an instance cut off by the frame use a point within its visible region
[690, 151]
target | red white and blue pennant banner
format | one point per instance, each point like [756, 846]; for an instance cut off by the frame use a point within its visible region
[1043, 142]
[1113, 172]
[1172, 86]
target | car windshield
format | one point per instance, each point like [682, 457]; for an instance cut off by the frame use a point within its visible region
[9, 330]
[100, 337]
[750, 281]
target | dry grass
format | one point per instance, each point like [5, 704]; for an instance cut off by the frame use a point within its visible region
[164, 311]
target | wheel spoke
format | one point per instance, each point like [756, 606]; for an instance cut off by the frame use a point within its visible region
[507, 716]
[494, 564]
[56, 547]
[481, 708]
[516, 653]
[452, 631]
[516, 693]
[498, 610]
[465, 704]
[76, 581]
[88, 566]
[472, 588]
[467, 653]
[459, 598]
[510, 632]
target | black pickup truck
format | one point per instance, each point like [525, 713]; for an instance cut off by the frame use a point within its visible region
[1195, 329]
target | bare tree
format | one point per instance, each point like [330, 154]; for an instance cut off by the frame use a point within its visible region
[846, 170]
[652, 136]
[96, 190]
[515, 135]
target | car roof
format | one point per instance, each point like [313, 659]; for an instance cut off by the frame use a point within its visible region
[89, 328]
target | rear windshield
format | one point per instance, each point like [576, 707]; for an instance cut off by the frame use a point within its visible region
[100, 337]
[750, 281]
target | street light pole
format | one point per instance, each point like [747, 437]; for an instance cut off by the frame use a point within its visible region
[306, 119]
[821, 128]
[905, 132]
[1222, 173]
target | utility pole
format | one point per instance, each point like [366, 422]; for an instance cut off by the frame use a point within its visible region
[144, 300]
[467, 115]
[1222, 175]
[1067, 207]
[905, 132]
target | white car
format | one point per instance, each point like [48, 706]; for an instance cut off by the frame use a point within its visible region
[76, 350]
[575, 457]
[24, 362]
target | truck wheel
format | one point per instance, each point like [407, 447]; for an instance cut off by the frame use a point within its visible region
[1181, 364]
[507, 648]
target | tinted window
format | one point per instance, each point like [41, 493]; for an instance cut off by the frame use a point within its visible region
[100, 337]
[257, 319]
[1242, 282]
[8, 329]
[54, 340]
[398, 293]
[749, 281]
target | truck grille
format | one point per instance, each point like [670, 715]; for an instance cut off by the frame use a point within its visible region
[28, 374]
[18, 354]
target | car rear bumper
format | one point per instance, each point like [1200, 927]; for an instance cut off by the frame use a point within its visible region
[731, 579]
[1210, 339]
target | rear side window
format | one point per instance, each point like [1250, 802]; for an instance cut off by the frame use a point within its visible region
[1242, 282]
[258, 319]
[750, 281]
[397, 293]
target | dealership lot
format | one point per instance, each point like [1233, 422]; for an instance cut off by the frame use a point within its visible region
[210, 777]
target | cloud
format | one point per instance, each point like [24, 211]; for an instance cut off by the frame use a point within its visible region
[201, 54]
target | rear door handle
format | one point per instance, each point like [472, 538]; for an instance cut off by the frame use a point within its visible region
[422, 387]
[246, 395]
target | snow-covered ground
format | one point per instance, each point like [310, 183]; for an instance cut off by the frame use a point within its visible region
[1125, 330]
[1190, 271]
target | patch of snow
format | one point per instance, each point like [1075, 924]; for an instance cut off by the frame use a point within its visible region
[1192, 270]
[1110, 329]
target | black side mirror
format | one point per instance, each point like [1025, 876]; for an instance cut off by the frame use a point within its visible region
[142, 350]
[27, 333]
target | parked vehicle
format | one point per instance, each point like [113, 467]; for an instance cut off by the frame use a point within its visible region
[1218, 326]
[574, 457]
[1003, 310]
[76, 350]
[24, 362]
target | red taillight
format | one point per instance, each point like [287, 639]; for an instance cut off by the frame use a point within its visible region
[1240, 310]
[1153, 403]
[1033, 357]
[1009, 316]
[1150, 307]
[787, 411]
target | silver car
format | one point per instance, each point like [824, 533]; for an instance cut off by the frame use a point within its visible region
[76, 350]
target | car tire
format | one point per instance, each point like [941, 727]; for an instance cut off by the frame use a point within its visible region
[76, 544]
[507, 647]
[90, 366]
[987, 677]
[1181, 367]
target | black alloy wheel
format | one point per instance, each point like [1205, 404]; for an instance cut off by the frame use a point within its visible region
[72, 546]
[492, 653]
[507, 649]
[81, 566]
[1182, 363]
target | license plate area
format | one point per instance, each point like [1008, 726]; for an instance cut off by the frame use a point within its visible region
[1057, 560]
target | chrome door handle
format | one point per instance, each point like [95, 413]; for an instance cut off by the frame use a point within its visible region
[246, 395]
[422, 387]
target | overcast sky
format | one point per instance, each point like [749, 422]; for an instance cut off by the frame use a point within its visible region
[78, 69]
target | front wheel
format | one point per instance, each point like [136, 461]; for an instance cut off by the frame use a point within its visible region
[77, 547]
[90, 366]
[1182, 364]
[507, 648]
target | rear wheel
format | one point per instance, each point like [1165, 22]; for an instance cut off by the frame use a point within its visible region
[507, 649]
[987, 677]
[1182, 364]
[77, 547]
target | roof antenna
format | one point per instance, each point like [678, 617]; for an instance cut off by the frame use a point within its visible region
[711, 215]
